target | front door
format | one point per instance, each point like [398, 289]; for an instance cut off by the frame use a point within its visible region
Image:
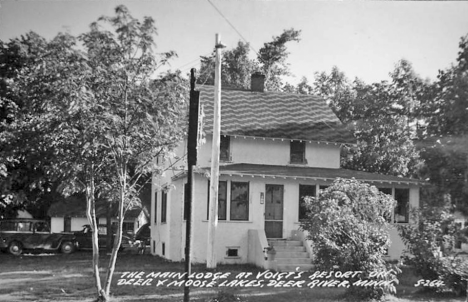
[274, 211]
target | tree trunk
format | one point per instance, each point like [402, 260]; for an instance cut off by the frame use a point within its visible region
[118, 236]
[110, 232]
[91, 215]
[466, 298]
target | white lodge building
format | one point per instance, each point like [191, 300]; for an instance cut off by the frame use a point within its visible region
[276, 148]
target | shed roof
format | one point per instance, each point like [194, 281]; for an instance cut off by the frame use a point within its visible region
[306, 173]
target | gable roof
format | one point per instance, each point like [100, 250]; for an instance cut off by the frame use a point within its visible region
[274, 115]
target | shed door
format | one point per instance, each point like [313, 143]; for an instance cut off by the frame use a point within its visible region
[274, 211]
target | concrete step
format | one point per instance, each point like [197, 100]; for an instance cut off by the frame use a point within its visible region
[290, 248]
[291, 254]
[292, 267]
[288, 254]
[282, 242]
[305, 260]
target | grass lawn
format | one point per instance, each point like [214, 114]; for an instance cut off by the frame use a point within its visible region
[58, 277]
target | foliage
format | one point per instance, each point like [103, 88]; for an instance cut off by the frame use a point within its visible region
[444, 111]
[272, 57]
[348, 228]
[22, 184]
[446, 167]
[237, 67]
[430, 248]
[381, 116]
[96, 117]
[338, 90]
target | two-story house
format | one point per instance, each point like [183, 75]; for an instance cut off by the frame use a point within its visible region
[275, 149]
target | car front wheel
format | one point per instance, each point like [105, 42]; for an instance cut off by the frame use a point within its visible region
[15, 248]
[67, 247]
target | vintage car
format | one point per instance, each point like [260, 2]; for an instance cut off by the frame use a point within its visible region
[142, 238]
[143, 234]
[18, 235]
[84, 238]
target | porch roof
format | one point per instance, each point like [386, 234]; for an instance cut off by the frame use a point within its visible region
[309, 173]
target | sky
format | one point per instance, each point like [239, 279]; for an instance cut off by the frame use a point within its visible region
[364, 39]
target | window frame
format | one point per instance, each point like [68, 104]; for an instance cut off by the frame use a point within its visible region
[234, 203]
[301, 201]
[155, 207]
[225, 148]
[225, 200]
[406, 206]
[297, 152]
[164, 207]
[393, 194]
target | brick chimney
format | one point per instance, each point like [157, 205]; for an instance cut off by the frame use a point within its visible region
[257, 82]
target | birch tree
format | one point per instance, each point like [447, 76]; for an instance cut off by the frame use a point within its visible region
[101, 114]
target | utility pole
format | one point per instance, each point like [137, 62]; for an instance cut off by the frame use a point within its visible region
[213, 216]
[192, 143]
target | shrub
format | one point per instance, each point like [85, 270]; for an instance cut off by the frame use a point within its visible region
[349, 229]
[430, 248]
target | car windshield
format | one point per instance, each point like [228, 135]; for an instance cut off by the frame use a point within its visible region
[24, 226]
[42, 227]
[7, 226]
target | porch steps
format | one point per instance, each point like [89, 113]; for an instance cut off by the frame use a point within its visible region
[291, 254]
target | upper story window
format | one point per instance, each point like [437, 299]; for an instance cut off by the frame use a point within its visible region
[297, 154]
[225, 148]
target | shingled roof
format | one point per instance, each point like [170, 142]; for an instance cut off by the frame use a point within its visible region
[274, 115]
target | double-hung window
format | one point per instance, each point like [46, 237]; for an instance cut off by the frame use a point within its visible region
[156, 208]
[297, 152]
[305, 191]
[239, 207]
[163, 207]
[222, 200]
[402, 207]
[401, 211]
[225, 148]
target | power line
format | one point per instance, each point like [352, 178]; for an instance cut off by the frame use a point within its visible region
[233, 27]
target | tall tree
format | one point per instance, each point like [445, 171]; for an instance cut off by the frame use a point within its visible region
[237, 67]
[272, 57]
[379, 116]
[101, 115]
[445, 132]
[447, 110]
[21, 184]
[338, 90]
